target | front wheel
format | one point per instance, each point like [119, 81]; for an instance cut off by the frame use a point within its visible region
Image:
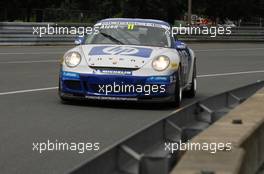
[192, 91]
[178, 90]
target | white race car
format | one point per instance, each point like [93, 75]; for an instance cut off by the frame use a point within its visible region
[128, 60]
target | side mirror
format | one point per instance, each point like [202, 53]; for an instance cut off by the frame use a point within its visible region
[79, 40]
[179, 45]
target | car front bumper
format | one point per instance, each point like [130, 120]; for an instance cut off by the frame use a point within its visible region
[87, 86]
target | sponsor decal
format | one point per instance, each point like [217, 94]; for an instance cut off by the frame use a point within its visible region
[71, 75]
[114, 72]
[111, 98]
[121, 50]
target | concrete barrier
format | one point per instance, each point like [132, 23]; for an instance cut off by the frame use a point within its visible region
[244, 128]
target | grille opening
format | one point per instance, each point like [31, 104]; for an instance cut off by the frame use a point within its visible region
[73, 84]
[113, 68]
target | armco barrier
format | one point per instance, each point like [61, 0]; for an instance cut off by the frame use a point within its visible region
[21, 33]
[244, 128]
[143, 152]
[239, 34]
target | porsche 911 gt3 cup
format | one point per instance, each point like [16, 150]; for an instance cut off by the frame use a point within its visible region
[130, 60]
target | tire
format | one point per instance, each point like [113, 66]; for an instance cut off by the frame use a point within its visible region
[192, 91]
[178, 89]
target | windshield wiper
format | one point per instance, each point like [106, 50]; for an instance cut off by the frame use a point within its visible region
[112, 38]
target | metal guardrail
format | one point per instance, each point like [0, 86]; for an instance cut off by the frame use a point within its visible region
[22, 34]
[239, 34]
[144, 151]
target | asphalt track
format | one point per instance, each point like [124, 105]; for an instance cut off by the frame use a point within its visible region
[30, 110]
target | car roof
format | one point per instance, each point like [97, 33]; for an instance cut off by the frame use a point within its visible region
[154, 21]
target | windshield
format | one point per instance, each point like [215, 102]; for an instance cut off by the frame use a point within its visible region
[125, 35]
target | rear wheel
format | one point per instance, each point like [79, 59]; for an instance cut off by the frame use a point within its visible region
[192, 91]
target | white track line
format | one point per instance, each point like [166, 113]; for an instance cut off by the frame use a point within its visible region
[28, 90]
[29, 61]
[229, 74]
[200, 76]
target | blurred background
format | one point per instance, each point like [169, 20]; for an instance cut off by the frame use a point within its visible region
[204, 12]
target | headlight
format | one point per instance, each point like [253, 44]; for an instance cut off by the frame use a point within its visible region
[161, 63]
[72, 59]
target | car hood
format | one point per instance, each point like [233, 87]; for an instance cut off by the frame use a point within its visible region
[120, 56]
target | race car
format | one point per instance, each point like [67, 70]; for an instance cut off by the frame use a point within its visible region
[128, 60]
